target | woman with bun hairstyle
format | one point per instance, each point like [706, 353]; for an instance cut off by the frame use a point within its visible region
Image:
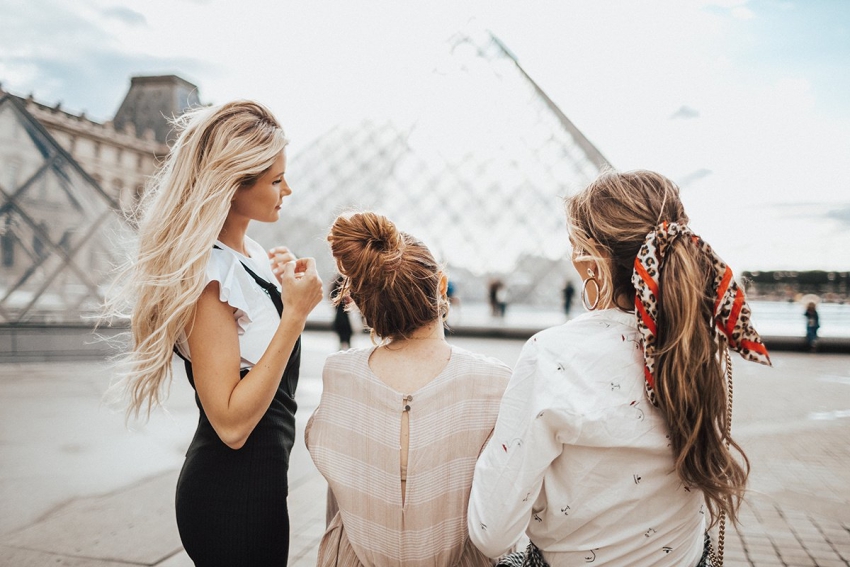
[400, 425]
[612, 445]
[199, 286]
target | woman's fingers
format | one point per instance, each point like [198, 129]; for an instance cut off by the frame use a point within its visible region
[278, 250]
[305, 266]
[301, 285]
[278, 257]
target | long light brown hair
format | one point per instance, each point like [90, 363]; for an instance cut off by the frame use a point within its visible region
[608, 223]
[391, 276]
[218, 150]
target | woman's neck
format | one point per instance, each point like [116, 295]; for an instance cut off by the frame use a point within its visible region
[406, 365]
[233, 232]
[421, 337]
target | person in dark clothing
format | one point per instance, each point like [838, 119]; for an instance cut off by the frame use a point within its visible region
[812, 326]
[569, 292]
[492, 293]
[342, 323]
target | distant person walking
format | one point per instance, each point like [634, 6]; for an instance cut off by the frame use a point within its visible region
[493, 296]
[342, 322]
[234, 313]
[812, 326]
[569, 292]
[501, 299]
[454, 303]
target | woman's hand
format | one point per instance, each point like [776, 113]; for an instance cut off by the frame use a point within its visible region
[278, 257]
[301, 287]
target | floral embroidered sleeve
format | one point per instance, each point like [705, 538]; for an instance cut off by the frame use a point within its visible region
[529, 435]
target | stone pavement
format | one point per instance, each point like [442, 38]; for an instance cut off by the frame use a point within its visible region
[78, 488]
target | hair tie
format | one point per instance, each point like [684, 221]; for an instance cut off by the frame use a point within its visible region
[731, 312]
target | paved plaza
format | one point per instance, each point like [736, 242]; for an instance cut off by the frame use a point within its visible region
[78, 488]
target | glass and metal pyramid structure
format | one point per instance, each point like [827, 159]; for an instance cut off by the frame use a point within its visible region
[58, 228]
[477, 169]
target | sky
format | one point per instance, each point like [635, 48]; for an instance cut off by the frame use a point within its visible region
[743, 103]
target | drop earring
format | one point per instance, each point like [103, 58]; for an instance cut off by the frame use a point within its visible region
[591, 278]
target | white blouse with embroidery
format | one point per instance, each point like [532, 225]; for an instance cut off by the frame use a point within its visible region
[581, 461]
[255, 315]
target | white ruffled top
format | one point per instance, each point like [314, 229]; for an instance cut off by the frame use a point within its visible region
[255, 314]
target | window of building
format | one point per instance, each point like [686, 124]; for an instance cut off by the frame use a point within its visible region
[7, 245]
[38, 245]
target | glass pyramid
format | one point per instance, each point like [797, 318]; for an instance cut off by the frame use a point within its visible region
[478, 171]
[57, 227]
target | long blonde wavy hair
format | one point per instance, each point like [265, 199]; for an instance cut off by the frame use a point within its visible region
[608, 223]
[218, 150]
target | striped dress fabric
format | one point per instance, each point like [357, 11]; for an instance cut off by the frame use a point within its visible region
[354, 440]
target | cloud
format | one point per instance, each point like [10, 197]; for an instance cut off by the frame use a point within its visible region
[685, 112]
[841, 213]
[126, 15]
[62, 55]
[693, 177]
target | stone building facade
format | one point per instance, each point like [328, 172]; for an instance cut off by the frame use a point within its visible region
[122, 153]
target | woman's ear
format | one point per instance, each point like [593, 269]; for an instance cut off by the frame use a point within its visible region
[444, 284]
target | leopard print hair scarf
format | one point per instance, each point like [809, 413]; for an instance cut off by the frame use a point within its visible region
[731, 312]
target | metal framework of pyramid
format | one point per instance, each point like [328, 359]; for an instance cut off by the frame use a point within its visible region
[478, 172]
[58, 228]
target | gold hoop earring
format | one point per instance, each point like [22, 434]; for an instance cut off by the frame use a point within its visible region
[584, 301]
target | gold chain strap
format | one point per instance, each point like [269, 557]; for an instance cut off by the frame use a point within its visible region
[717, 558]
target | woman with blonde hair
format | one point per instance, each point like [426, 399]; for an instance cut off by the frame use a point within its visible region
[399, 425]
[199, 286]
[613, 445]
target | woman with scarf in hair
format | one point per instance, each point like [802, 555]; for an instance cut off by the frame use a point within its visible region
[612, 444]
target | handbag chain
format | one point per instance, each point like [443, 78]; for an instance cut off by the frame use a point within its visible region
[717, 558]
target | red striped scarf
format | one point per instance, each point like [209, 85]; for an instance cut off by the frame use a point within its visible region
[731, 312]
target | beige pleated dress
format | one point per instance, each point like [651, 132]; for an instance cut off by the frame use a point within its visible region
[354, 440]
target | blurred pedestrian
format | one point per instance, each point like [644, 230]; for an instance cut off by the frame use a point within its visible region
[612, 444]
[234, 313]
[493, 296]
[342, 322]
[501, 299]
[812, 326]
[454, 303]
[569, 292]
[400, 424]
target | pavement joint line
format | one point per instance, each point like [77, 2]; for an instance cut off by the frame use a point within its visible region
[167, 556]
[75, 556]
[57, 509]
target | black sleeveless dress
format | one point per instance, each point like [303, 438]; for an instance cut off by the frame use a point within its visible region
[231, 503]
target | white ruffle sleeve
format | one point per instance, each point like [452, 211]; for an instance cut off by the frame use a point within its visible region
[234, 285]
[255, 315]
